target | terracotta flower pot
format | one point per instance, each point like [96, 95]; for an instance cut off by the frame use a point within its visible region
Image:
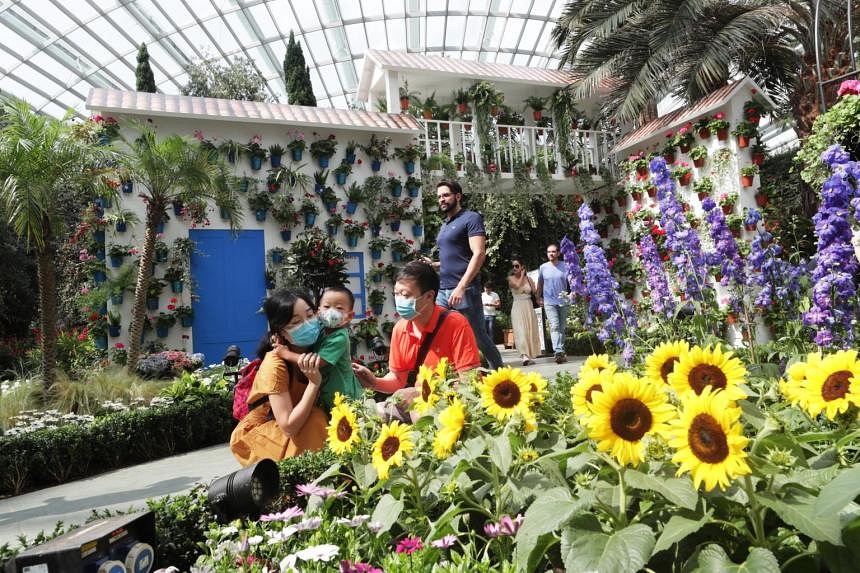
[761, 200]
[404, 103]
[723, 134]
[750, 228]
[669, 157]
[736, 233]
[494, 110]
[731, 319]
[427, 114]
[699, 162]
[642, 172]
[757, 158]
[747, 180]
[462, 107]
[685, 148]
[703, 195]
[685, 179]
[743, 141]
[652, 192]
[728, 209]
[637, 195]
[622, 201]
[503, 130]
[537, 115]
[704, 133]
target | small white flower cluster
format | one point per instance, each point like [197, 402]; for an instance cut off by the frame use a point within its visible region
[114, 406]
[32, 420]
[10, 385]
[160, 402]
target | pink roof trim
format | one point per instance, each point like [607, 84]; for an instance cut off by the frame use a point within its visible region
[142, 103]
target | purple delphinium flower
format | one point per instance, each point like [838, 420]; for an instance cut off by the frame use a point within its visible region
[574, 269]
[752, 217]
[725, 248]
[661, 297]
[681, 240]
[776, 280]
[834, 292]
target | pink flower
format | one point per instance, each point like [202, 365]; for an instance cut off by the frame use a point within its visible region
[256, 139]
[849, 87]
[505, 527]
[444, 543]
[350, 567]
[409, 545]
[668, 134]
[119, 346]
[198, 135]
[286, 515]
[313, 489]
[720, 115]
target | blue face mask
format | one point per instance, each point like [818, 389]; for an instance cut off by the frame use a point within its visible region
[405, 307]
[306, 333]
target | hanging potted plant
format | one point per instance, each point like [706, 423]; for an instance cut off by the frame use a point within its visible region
[277, 254]
[684, 137]
[748, 173]
[486, 104]
[320, 178]
[377, 246]
[232, 149]
[114, 323]
[751, 218]
[350, 152]
[163, 322]
[323, 149]
[408, 155]
[377, 273]
[461, 98]
[720, 125]
[703, 127]
[417, 219]
[284, 213]
[640, 165]
[683, 173]
[698, 154]
[377, 150]
[121, 219]
[727, 201]
[269, 278]
[329, 199]
[332, 225]
[256, 152]
[354, 196]
[394, 184]
[274, 179]
[669, 149]
[354, 230]
[297, 145]
[753, 111]
[117, 254]
[405, 96]
[735, 224]
[185, 315]
[341, 172]
[428, 106]
[153, 293]
[537, 104]
[703, 187]
[97, 328]
[399, 248]
[413, 186]
[376, 299]
[309, 210]
[757, 152]
[174, 275]
[276, 153]
[762, 200]
[260, 202]
[744, 131]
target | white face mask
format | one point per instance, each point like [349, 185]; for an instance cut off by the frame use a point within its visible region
[331, 318]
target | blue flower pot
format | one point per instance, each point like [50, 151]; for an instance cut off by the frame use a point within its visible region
[396, 256]
[270, 285]
[409, 166]
[186, 321]
[351, 206]
[331, 230]
[318, 188]
[100, 203]
[176, 286]
[352, 240]
[127, 186]
[260, 215]
[161, 256]
[417, 230]
[99, 236]
[286, 235]
[277, 258]
[323, 161]
[375, 254]
[99, 277]
[100, 342]
[103, 309]
[177, 208]
[161, 331]
[275, 160]
[396, 191]
[159, 228]
[297, 154]
[413, 191]
[231, 156]
[114, 330]
[376, 278]
[100, 254]
[115, 261]
[375, 230]
[377, 308]
[224, 214]
[332, 207]
[310, 218]
[394, 225]
[350, 158]
[340, 178]
[256, 162]
[244, 184]
[116, 299]
[121, 226]
[152, 303]
[375, 165]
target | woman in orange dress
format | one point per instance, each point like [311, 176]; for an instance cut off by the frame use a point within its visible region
[283, 419]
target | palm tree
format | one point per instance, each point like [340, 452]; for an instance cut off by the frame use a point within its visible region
[41, 159]
[166, 170]
[643, 51]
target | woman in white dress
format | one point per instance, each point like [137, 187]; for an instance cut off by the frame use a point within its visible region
[523, 320]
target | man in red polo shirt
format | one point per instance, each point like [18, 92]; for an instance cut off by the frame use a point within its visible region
[415, 291]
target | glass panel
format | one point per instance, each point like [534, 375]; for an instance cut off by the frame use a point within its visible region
[372, 8]
[307, 15]
[198, 37]
[479, 6]
[541, 7]
[337, 43]
[530, 35]
[493, 33]
[84, 12]
[284, 18]
[394, 8]
[436, 5]
[500, 7]
[329, 77]
[338, 102]
[177, 13]
[349, 9]
[107, 32]
[55, 110]
[396, 30]
[348, 76]
[48, 12]
[377, 35]
[222, 36]
[202, 9]
[435, 31]
[317, 84]
[474, 29]
[12, 41]
[105, 5]
[454, 31]
[328, 12]
[511, 36]
[315, 43]
[521, 60]
[544, 45]
[470, 55]
[357, 40]
[261, 17]
[89, 45]
[38, 79]
[414, 31]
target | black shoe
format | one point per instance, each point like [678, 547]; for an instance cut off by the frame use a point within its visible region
[560, 358]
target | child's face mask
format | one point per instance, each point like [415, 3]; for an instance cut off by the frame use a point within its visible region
[331, 318]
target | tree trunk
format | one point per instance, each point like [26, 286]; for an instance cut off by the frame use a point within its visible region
[140, 291]
[48, 314]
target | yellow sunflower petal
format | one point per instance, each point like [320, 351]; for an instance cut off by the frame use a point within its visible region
[343, 432]
[442, 368]
[582, 392]
[427, 396]
[538, 385]
[660, 363]
[452, 420]
[505, 392]
[700, 368]
[831, 383]
[391, 447]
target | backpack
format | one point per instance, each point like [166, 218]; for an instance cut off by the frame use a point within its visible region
[243, 388]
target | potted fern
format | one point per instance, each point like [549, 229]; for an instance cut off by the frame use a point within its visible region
[260, 202]
[354, 196]
[341, 172]
[408, 155]
[323, 149]
[284, 213]
[309, 210]
[276, 153]
[537, 104]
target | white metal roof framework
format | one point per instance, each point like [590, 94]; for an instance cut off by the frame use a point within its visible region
[53, 51]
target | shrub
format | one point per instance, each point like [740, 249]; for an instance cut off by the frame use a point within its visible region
[181, 522]
[301, 469]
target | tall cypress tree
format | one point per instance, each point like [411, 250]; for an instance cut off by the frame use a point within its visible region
[297, 76]
[143, 73]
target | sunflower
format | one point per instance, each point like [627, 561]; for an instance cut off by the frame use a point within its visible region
[703, 367]
[709, 441]
[530, 423]
[505, 392]
[581, 393]
[625, 411]
[793, 387]
[342, 430]
[598, 362]
[441, 369]
[660, 363]
[537, 385]
[427, 397]
[831, 383]
[528, 454]
[391, 447]
[452, 420]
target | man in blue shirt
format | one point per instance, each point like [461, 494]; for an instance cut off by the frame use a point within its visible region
[462, 249]
[553, 293]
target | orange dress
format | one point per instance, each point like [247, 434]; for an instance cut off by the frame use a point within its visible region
[258, 435]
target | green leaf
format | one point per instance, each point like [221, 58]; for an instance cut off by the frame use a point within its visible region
[387, 511]
[679, 491]
[588, 550]
[677, 528]
[839, 493]
[713, 559]
[799, 511]
[364, 474]
[551, 510]
[500, 453]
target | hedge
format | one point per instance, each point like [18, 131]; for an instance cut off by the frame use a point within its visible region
[52, 456]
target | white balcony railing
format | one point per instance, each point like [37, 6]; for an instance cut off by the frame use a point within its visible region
[511, 145]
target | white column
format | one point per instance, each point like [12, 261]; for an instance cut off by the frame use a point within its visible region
[392, 91]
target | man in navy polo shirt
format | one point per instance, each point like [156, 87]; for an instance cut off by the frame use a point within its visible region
[462, 249]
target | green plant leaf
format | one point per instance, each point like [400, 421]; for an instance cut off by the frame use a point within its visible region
[387, 511]
[838, 493]
[500, 453]
[843, 559]
[547, 513]
[713, 559]
[799, 511]
[679, 491]
[588, 550]
[677, 528]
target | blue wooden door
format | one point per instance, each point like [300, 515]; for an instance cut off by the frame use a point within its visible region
[230, 275]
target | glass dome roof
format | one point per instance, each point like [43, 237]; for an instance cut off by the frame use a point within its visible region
[54, 51]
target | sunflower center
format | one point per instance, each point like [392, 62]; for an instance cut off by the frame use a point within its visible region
[630, 419]
[344, 429]
[707, 439]
[836, 385]
[389, 447]
[425, 390]
[507, 394]
[703, 375]
[667, 368]
[595, 388]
